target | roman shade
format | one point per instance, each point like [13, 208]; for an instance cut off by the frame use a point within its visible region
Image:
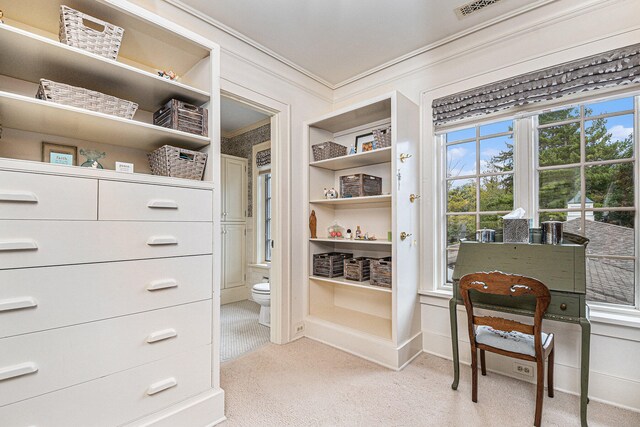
[613, 68]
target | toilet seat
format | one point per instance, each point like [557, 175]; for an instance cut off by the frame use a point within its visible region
[262, 288]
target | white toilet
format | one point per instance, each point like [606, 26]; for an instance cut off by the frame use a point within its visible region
[261, 293]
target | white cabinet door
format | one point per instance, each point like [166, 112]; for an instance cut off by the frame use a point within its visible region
[234, 250]
[234, 189]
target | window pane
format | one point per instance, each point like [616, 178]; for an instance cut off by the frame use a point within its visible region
[559, 116]
[459, 135]
[609, 185]
[461, 159]
[610, 138]
[610, 233]
[562, 216]
[605, 107]
[452, 256]
[496, 193]
[491, 221]
[611, 281]
[559, 145]
[461, 195]
[558, 189]
[460, 227]
[496, 154]
[494, 128]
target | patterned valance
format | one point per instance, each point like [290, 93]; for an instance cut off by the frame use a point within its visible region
[263, 158]
[612, 68]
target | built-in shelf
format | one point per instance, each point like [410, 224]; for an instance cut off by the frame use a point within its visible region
[30, 57]
[352, 242]
[344, 282]
[349, 201]
[34, 115]
[382, 155]
[362, 322]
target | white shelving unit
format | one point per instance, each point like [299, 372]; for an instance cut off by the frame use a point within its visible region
[160, 278]
[377, 323]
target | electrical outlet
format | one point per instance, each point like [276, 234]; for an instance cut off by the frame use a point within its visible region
[300, 328]
[522, 369]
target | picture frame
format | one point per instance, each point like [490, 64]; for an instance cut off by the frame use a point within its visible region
[364, 142]
[59, 154]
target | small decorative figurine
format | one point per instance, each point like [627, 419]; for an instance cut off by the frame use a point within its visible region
[358, 232]
[325, 192]
[313, 224]
[169, 75]
[1, 17]
[332, 194]
[352, 150]
[348, 234]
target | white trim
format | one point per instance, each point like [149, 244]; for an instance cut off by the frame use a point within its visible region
[247, 128]
[257, 251]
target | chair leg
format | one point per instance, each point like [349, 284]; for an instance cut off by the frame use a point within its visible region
[483, 363]
[539, 392]
[550, 372]
[474, 374]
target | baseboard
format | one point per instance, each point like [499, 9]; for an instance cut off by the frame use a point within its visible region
[203, 410]
[240, 293]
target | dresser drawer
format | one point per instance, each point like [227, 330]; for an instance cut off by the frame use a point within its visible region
[34, 299]
[45, 243]
[120, 398]
[37, 196]
[564, 305]
[147, 202]
[42, 362]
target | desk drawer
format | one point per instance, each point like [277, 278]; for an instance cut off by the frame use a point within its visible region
[34, 299]
[564, 305]
[117, 399]
[147, 202]
[37, 196]
[42, 362]
[46, 243]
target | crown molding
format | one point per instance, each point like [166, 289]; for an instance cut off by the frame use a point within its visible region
[247, 128]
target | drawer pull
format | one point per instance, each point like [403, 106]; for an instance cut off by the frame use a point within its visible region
[563, 306]
[162, 204]
[17, 370]
[162, 284]
[161, 386]
[162, 335]
[162, 240]
[18, 196]
[17, 303]
[18, 245]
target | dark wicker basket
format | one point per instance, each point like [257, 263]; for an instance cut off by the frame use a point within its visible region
[329, 264]
[360, 185]
[382, 137]
[328, 150]
[381, 272]
[74, 33]
[177, 162]
[184, 117]
[357, 269]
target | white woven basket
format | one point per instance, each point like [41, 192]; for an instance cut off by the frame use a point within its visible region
[74, 32]
[84, 98]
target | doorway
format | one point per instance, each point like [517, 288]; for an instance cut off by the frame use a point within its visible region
[246, 225]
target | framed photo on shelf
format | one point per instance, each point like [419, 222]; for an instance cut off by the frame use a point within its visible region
[59, 154]
[364, 142]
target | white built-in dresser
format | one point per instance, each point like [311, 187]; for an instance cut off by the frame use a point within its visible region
[109, 287]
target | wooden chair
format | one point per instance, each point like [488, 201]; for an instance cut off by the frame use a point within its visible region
[508, 337]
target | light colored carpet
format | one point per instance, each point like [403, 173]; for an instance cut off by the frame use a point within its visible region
[306, 383]
[240, 331]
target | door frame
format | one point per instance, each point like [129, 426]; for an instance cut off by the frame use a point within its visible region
[280, 273]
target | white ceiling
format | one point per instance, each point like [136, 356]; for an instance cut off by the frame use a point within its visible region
[235, 115]
[336, 40]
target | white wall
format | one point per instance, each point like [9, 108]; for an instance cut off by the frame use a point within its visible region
[557, 33]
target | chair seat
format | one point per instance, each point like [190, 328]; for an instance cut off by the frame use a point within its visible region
[515, 342]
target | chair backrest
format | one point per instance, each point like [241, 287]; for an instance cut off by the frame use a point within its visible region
[498, 283]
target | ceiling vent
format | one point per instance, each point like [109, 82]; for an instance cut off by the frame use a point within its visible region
[473, 7]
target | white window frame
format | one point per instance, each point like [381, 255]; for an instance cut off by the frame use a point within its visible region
[258, 205]
[526, 188]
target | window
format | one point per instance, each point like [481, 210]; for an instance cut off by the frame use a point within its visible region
[266, 178]
[479, 182]
[575, 164]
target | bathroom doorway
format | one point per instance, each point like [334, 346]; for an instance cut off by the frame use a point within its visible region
[247, 221]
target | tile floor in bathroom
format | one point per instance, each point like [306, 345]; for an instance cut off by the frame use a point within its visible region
[240, 331]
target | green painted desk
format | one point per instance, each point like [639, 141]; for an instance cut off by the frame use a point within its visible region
[560, 267]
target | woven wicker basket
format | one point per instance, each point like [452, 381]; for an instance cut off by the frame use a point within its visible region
[84, 98]
[74, 32]
[177, 162]
[328, 150]
[382, 137]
